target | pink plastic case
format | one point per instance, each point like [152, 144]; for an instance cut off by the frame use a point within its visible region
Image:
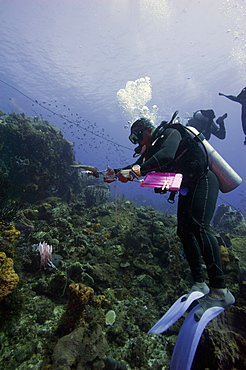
[165, 181]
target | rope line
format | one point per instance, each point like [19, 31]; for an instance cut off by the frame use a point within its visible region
[63, 117]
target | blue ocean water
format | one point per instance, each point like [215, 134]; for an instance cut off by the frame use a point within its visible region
[65, 61]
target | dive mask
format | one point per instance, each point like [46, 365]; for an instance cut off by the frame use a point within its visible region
[136, 136]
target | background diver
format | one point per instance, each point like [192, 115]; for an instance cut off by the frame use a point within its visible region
[240, 98]
[203, 121]
[170, 148]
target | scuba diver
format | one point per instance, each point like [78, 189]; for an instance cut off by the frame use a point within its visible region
[171, 148]
[240, 98]
[203, 121]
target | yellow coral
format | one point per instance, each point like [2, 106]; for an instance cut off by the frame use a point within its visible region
[8, 277]
[10, 233]
[96, 227]
[224, 254]
[88, 231]
[8, 238]
[83, 308]
[84, 293]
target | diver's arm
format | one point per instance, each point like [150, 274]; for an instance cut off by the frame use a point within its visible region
[219, 131]
[124, 174]
[241, 98]
[165, 155]
[160, 159]
[231, 97]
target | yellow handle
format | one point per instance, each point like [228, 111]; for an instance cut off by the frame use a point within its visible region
[164, 185]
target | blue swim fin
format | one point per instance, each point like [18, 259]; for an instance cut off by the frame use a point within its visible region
[175, 312]
[189, 336]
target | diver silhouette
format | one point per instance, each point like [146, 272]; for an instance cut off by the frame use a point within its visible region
[203, 121]
[240, 98]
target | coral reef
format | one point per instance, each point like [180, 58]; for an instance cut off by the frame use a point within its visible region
[8, 238]
[228, 220]
[8, 277]
[117, 269]
[134, 267]
[82, 308]
[9, 209]
[35, 158]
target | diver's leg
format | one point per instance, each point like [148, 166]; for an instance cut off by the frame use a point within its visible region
[185, 233]
[202, 208]
[199, 211]
[207, 192]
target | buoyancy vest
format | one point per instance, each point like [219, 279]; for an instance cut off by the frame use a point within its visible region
[195, 156]
[190, 158]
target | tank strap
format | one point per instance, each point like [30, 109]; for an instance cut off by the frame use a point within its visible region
[199, 138]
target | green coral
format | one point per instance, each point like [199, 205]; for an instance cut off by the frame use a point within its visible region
[36, 159]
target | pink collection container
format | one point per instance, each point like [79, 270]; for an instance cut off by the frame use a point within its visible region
[165, 181]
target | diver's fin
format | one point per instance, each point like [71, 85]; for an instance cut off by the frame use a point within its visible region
[177, 310]
[209, 302]
[189, 337]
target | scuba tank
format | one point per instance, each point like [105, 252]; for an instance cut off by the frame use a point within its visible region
[227, 177]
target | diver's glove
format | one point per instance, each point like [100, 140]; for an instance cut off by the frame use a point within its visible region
[125, 175]
[129, 174]
[110, 175]
[220, 120]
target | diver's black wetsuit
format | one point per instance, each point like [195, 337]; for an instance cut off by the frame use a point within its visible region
[209, 128]
[240, 98]
[176, 151]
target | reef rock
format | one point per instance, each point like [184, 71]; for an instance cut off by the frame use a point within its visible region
[223, 343]
[83, 345]
[228, 220]
[96, 194]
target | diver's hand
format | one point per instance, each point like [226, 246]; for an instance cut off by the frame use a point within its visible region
[109, 176]
[125, 175]
[220, 120]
